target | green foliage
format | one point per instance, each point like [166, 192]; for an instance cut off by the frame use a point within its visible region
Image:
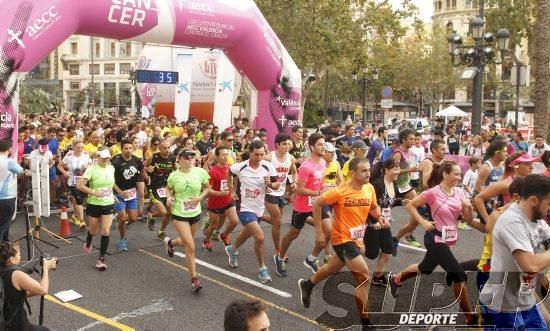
[515, 15]
[33, 100]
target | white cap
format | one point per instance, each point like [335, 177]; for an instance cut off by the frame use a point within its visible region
[104, 154]
[329, 147]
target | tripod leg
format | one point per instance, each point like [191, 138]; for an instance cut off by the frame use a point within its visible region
[55, 236]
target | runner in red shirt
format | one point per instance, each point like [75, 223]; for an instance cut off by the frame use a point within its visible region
[220, 201]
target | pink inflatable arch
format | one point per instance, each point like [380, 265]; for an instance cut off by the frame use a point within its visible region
[30, 29]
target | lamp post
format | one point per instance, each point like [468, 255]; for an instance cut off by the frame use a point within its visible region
[364, 81]
[475, 57]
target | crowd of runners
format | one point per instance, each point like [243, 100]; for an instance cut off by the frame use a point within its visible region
[341, 182]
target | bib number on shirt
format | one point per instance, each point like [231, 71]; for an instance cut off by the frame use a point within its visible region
[105, 192]
[527, 283]
[452, 140]
[161, 192]
[131, 194]
[357, 232]
[223, 185]
[449, 233]
[404, 188]
[190, 206]
[386, 213]
[311, 200]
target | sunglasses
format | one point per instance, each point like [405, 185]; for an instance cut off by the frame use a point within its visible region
[332, 175]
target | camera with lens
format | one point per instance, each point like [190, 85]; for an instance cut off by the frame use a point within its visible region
[48, 257]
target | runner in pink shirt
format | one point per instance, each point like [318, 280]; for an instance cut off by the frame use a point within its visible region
[309, 188]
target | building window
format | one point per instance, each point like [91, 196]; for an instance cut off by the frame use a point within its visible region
[448, 4]
[109, 68]
[75, 85]
[113, 49]
[454, 4]
[439, 5]
[94, 70]
[468, 4]
[125, 68]
[74, 48]
[97, 50]
[125, 49]
[74, 69]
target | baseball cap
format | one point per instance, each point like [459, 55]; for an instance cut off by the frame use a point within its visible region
[43, 141]
[330, 148]
[525, 158]
[358, 144]
[104, 154]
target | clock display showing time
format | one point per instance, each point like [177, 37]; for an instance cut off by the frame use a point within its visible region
[157, 77]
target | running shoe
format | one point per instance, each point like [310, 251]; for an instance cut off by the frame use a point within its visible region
[225, 239]
[327, 258]
[380, 280]
[286, 259]
[87, 249]
[168, 246]
[75, 220]
[82, 225]
[150, 222]
[394, 245]
[216, 235]
[305, 292]
[264, 276]
[100, 264]
[207, 245]
[393, 285]
[463, 226]
[411, 241]
[233, 256]
[280, 266]
[196, 284]
[123, 245]
[312, 265]
[161, 235]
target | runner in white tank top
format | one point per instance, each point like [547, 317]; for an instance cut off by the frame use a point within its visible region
[285, 165]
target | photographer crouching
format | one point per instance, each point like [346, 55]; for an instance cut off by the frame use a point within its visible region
[18, 286]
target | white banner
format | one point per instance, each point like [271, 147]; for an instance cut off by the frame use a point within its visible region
[182, 95]
[225, 84]
[35, 180]
[386, 103]
[45, 186]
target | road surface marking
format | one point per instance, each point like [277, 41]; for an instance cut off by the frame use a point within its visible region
[246, 294]
[239, 277]
[90, 314]
[158, 306]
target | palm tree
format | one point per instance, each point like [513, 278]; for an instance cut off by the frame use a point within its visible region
[542, 70]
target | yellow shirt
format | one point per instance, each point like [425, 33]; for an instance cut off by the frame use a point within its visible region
[176, 131]
[91, 149]
[163, 131]
[345, 171]
[330, 179]
[115, 150]
[66, 142]
[138, 153]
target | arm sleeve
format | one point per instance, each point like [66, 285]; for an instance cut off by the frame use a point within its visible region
[303, 174]
[234, 169]
[467, 178]
[331, 196]
[513, 234]
[88, 173]
[429, 196]
[14, 167]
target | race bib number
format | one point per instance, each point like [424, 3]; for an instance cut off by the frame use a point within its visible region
[449, 233]
[131, 194]
[105, 192]
[311, 200]
[404, 189]
[223, 185]
[452, 140]
[357, 232]
[527, 283]
[386, 212]
[190, 206]
[161, 192]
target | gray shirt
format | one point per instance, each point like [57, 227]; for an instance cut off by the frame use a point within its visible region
[508, 288]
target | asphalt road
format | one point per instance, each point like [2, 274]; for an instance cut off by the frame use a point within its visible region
[144, 289]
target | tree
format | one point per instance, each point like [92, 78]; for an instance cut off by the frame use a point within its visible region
[542, 70]
[33, 100]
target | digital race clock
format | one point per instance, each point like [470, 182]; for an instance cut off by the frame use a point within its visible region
[157, 77]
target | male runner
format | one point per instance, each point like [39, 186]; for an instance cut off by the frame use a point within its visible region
[353, 202]
[284, 164]
[256, 176]
[127, 171]
[220, 201]
[298, 150]
[159, 166]
[309, 184]
[401, 155]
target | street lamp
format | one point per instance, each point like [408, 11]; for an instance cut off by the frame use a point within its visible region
[364, 81]
[475, 57]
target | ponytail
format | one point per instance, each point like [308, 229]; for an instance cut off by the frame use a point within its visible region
[437, 172]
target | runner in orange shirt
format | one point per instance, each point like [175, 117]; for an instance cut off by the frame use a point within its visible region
[352, 202]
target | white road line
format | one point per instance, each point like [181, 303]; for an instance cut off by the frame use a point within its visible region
[158, 306]
[413, 248]
[239, 277]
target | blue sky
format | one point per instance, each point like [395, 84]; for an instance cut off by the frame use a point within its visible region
[426, 8]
